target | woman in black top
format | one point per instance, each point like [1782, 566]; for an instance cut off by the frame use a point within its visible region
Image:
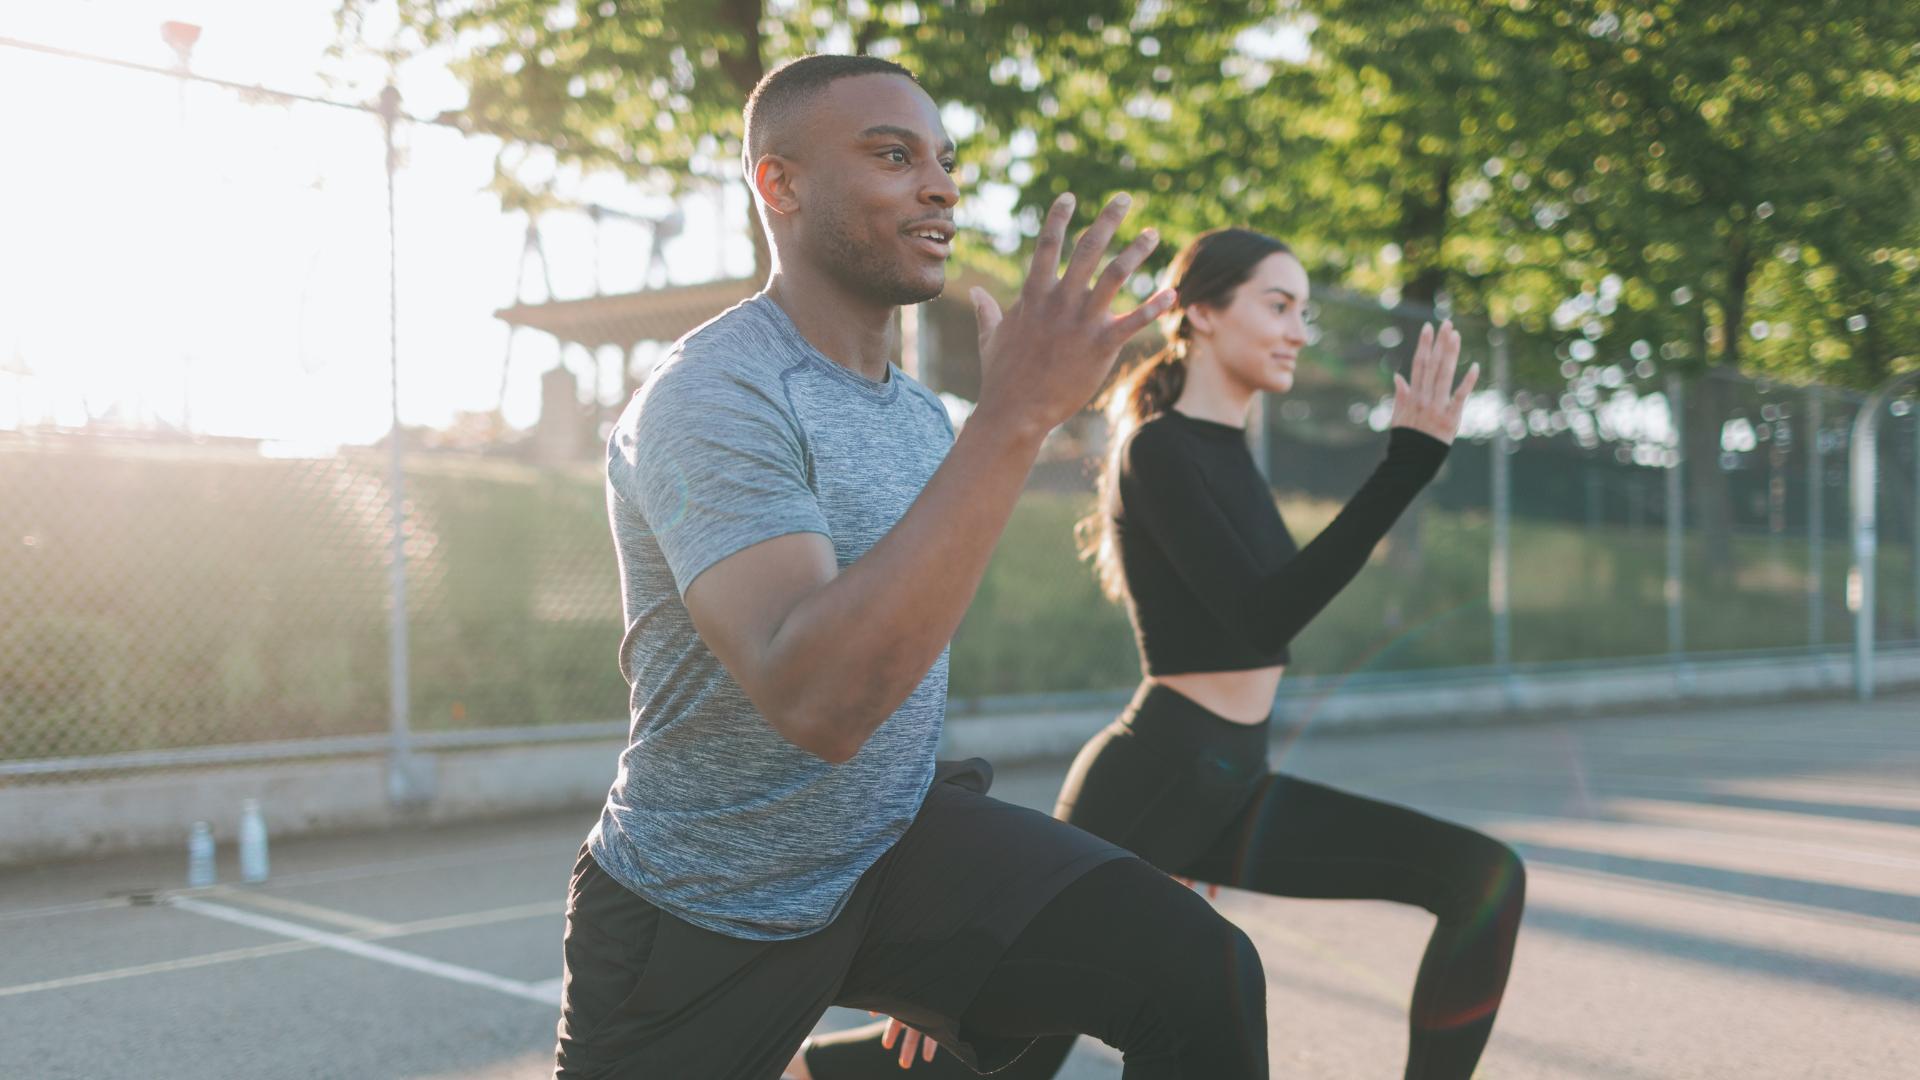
[1186, 535]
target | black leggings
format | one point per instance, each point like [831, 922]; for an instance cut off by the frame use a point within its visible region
[1186, 998]
[1191, 793]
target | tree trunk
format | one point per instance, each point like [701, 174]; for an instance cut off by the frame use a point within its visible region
[1708, 406]
[746, 68]
[762, 249]
[1711, 514]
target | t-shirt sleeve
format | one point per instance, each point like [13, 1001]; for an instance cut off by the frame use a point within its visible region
[1166, 494]
[715, 463]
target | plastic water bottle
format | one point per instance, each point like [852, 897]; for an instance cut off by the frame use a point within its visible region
[253, 842]
[200, 856]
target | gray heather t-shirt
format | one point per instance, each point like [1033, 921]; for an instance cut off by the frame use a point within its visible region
[742, 434]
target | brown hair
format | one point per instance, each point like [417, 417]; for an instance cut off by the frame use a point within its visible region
[1206, 271]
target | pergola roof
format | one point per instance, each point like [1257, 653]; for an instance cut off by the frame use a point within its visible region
[627, 319]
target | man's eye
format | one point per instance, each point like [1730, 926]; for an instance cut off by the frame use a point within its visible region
[949, 164]
[897, 154]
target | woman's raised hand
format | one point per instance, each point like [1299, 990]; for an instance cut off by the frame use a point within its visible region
[1430, 403]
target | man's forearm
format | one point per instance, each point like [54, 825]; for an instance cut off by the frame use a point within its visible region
[853, 650]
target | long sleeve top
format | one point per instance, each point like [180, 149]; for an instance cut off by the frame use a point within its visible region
[1214, 579]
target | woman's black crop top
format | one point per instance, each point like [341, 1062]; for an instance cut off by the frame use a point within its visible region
[1214, 581]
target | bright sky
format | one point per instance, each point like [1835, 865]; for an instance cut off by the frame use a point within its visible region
[170, 254]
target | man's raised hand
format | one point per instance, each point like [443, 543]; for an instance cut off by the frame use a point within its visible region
[1046, 356]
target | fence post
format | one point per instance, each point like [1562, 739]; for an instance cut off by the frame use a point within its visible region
[1863, 482]
[1500, 555]
[1676, 611]
[1259, 437]
[1816, 520]
[408, 782]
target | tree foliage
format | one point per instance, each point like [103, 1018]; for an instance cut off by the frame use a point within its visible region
[1734, 185]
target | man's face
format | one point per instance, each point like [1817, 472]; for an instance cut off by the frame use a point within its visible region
[875, 201]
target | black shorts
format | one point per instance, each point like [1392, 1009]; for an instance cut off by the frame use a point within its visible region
[648, 994]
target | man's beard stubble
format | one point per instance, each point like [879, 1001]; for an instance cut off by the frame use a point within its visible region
[862, 268]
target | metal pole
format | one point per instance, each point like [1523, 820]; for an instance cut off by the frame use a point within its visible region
[1676, 612]
[1816, 520]
[181, 37]
[1500, 556]
[1913, 538]
[1259, 438]
[1863, 480]
[407, 784]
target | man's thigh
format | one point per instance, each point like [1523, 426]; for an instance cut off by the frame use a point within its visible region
[648, 995]
[1129, 956]
[954, 893]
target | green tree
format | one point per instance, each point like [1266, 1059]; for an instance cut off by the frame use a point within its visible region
[653, 88]
[1716, 150]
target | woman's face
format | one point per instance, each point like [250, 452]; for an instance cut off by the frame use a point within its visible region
[1258, 336]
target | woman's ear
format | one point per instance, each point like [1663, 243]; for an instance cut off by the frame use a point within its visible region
[1200, 320]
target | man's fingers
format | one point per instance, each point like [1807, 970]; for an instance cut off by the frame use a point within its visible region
[888, 1036]
[1045, 270]
[1122, 268]
[907, 1046]
[1136, 320]
[986, 311]
[1093, 243]
[928, 1048]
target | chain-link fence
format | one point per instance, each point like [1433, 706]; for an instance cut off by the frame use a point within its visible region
[197, 478]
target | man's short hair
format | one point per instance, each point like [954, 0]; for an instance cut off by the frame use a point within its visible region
[779, 100]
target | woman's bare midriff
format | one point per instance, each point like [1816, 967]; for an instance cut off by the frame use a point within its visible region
[1244, 697]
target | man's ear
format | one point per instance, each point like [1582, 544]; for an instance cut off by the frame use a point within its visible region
[772, 179]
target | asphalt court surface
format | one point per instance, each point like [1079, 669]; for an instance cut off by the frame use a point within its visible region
[1730, 893]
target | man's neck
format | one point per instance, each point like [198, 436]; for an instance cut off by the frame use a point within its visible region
[852, 331]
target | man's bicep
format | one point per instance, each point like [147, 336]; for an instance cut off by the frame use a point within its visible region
[739, 603]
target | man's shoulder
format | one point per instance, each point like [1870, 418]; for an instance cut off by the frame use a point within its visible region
[930, 400]
[741, 349]
[751, 337]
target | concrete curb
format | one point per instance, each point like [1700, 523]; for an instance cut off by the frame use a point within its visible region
[1334, 704]
[154, 809]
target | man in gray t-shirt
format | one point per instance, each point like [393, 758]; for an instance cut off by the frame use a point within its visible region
[743, 434]
[799, 532]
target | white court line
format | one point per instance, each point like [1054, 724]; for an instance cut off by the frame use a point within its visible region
[365, 950]
[310, 911]
[478, 918]
[425, 926]
[550, 987]
[355, 872]
[162, 967]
